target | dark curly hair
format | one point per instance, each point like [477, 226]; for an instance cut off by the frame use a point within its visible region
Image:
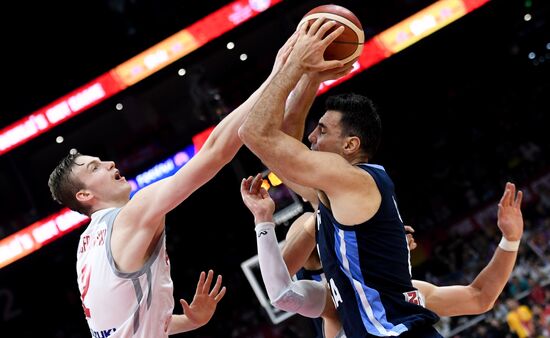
[359, 118]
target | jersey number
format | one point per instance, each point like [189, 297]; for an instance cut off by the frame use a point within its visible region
[336, 298]
[412, 297]
[86, 281]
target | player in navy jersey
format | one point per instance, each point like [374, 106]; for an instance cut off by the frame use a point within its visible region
[368, 268]
[360, 235]
[356, 203]
[299, 296]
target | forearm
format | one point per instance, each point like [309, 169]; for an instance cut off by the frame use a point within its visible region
[473, 299]
[493, 278]
[266, 115]
[224, 139]
[304, 297]
[272, 267]
[298, 105]
[181, 323]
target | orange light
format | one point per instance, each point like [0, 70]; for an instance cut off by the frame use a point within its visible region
[273, 179]
[265, 184]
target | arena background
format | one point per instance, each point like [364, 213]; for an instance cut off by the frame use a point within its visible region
[463, 110]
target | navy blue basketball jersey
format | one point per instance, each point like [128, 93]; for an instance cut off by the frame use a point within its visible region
[367, 267]
[316, 275]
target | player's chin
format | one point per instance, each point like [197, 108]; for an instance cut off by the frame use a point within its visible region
[127, 187]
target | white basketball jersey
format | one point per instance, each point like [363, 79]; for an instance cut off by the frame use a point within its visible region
[117, 304]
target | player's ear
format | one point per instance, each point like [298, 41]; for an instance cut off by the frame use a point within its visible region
[352, 145]
[84, 195]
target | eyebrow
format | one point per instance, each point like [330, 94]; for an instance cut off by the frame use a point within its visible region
[92, 162]
[322, 125]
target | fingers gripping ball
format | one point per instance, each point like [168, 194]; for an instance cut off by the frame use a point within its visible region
[349, 44]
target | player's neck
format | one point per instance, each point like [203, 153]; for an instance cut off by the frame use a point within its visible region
[108, 205]
[359, 160]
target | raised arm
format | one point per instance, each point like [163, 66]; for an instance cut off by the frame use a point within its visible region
[301, 98]
[481, 294]
[262, 133]
[297, 108]
[142, 219]
[220, 147]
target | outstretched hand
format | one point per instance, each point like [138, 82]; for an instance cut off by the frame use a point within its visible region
[204, 302]
[510, 219]
[257, 199]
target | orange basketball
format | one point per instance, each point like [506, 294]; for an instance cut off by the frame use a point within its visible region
[349, 44]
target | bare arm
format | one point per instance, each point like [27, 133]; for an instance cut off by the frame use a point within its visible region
[301, 98]
[262, 133]
[267, 115]
[142, 219]
[298, 106]
[220, 147]
[480, 295]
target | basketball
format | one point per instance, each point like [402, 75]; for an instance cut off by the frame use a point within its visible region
[349, 44]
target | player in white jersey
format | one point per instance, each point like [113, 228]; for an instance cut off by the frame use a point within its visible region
[123, 270]
[137, 299]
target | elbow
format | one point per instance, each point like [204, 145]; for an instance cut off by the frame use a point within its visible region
[242, 132]
[485, 298]
[485, 305]
[246, 134]
[287, 301]
[482, 304]
[249, 136]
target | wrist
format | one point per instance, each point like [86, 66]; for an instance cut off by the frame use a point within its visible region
[313, 78]
[508, 245]
[292, 71]
[263, 219]
[181, 323]
[264, 225]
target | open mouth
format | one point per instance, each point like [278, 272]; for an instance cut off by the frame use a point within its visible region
[118, 177]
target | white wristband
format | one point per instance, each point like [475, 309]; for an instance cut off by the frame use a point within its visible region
[507, 245]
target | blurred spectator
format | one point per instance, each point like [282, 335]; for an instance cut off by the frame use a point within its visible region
[537, 294]
[497, 330]
[519, 318]
[517, 285]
